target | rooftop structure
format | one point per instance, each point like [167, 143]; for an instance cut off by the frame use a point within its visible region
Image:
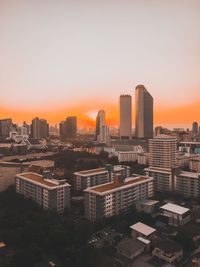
[143, 229]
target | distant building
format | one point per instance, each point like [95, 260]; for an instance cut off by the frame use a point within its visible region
[102, 130]
[6, 126]
[116, 197]
[68, 128]
[143, 113]
[39, 128]
[195, 128]
[125, 120]
[48, 193]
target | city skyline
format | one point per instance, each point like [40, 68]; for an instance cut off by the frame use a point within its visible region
[75, 60]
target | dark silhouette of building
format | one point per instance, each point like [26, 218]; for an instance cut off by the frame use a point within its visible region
[143, 113]
[39, 128]
[68, 128]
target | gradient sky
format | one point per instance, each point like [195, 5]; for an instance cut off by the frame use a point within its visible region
[62, 57]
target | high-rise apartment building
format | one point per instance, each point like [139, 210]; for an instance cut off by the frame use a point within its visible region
[68, 128]
[162, 160]
[125, 120]
[116, 197]
[143, 113]
[6, 126]
[162, 150]
[48, 193]
[39, 128]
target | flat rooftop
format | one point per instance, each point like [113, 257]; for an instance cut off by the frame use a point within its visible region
[175, 208]
[143, 228]
[114, 185]
[190, 174]
[90, 172]
[149, 202]
[34, 177]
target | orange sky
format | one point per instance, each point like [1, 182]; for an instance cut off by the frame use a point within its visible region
[184, 114]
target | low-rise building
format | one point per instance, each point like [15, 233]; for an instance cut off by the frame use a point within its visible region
[130, 248]
[116, 197]
[169, 251]
[48, 193]
[148, 206]
[177, 215]
[126, 156]
[142, 230]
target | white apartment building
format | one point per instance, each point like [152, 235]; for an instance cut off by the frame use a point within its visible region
[116, 197]
[162, 150]
[93, 177]
[48, 193]
[188, 184]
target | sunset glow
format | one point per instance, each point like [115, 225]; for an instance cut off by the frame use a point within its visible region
[76, 57]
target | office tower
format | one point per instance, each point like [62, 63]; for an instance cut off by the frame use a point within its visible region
[39, 128]
[162, 151]
[125, 124]
[6, 126]
[116, 197]
[68, 128]
[143, 113]
[102, 130]
[100, 121]
[195, 127]
[48, 193]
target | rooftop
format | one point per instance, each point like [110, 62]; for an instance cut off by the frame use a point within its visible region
[90, 172]
[149, 202]
[143, 228]
[175, 208]
[112, 186]
[129, 246]
[189, 174]
[164, 136]
[34, 177]
[169, 246]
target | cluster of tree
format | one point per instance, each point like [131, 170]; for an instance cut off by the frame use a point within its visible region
[37, 236]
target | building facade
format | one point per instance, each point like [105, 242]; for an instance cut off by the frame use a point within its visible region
[116, 197]
[48, 193]
[143, 113]
[125, 126]
[39, 128]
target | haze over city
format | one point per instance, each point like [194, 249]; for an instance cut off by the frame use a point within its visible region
[69, 58]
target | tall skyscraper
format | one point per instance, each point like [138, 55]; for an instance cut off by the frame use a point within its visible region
[125, 124]
[39, 128]
[100, 121]
[102, 130]
[162, 151]
[143, 113]
[68, 128]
